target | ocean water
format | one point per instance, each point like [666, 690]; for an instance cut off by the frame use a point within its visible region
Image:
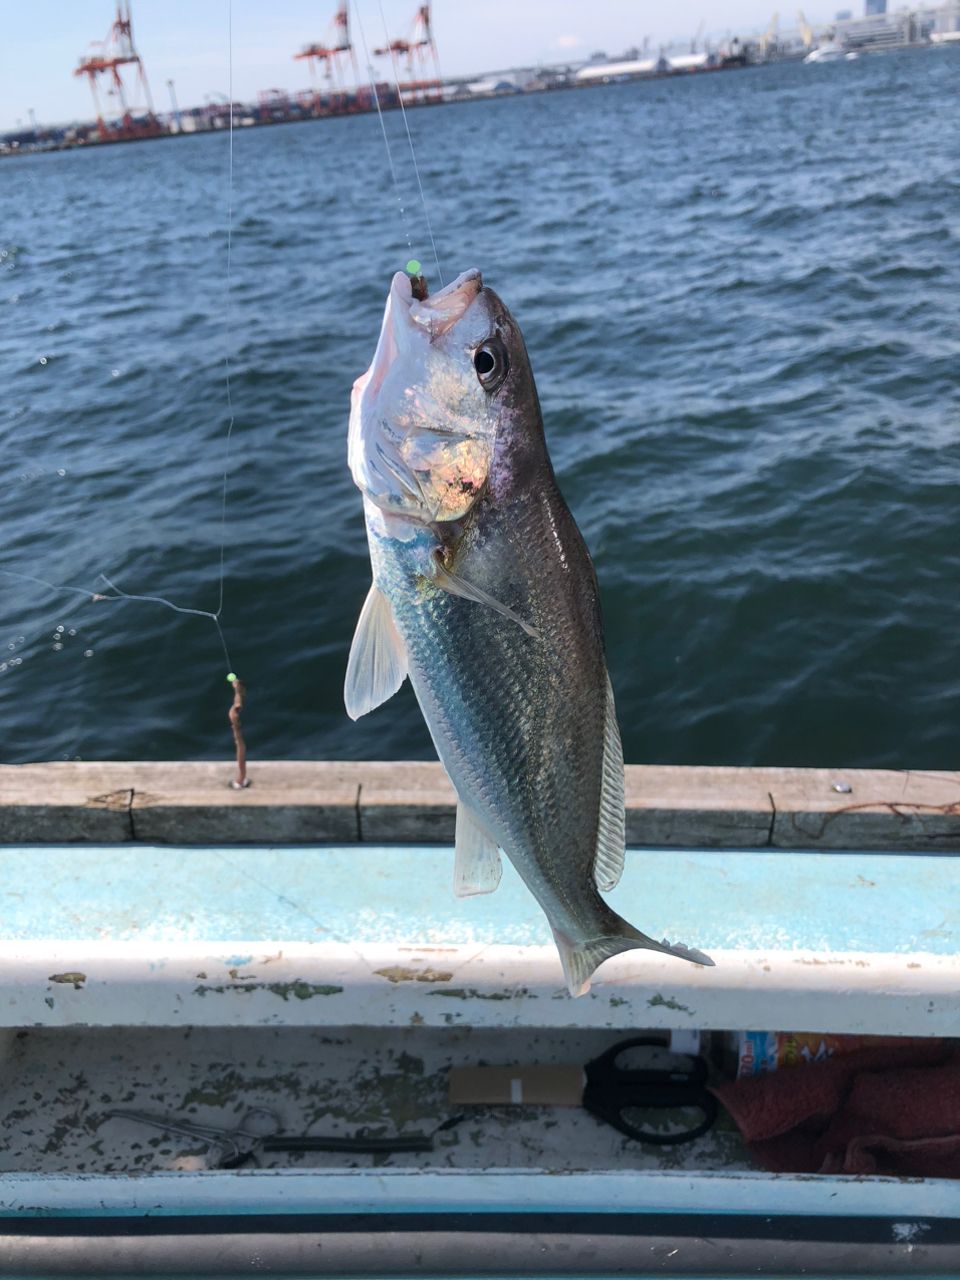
[741, 296]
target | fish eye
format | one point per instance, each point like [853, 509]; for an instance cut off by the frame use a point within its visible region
[491, 363]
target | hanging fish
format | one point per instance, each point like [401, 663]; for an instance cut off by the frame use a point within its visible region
[485, 595]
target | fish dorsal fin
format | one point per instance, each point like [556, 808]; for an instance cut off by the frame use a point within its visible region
[377, 665]
[608, 864]
[457, 586]
[477, 867]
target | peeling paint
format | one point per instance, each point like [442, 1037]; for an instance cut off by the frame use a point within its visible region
[668, 1002]
[303, 990]
[908, 1232]
[471, 993]
[298, 988]
[397, 973]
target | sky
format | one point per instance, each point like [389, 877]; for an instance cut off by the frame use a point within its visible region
[187, 41]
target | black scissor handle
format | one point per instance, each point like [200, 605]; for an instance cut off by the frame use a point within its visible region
[611, 1090]
[605, 1068]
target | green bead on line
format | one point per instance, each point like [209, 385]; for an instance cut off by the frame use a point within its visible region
[231, 677]
[414, 267]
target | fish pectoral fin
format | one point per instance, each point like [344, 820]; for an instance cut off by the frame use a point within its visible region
[608, 863]
[377, 665]
[457, 586]
[477, 867]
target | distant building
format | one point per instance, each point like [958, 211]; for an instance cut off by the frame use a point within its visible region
[873, 8]
[690, 61]
[881, 31]
[844, 15]
[603, 73]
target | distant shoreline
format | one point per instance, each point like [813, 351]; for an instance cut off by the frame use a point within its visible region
[86, 144]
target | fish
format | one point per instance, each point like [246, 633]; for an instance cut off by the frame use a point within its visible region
[485, 596]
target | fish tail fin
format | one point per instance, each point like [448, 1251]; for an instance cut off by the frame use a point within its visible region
[581, 960]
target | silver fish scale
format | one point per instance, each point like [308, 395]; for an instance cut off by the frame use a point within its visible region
[517, 721]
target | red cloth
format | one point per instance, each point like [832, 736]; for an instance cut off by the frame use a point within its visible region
[892, 1109]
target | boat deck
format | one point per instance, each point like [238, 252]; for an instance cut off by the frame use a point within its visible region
[334, 981]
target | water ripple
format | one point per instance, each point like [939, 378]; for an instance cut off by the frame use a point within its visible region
[741, 295]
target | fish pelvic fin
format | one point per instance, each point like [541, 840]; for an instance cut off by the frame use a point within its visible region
[377, 665]
[477, 867]
[580, 961]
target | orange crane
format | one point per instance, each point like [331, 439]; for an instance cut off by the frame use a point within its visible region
[330, 56]
[117, 50]
[414, 48]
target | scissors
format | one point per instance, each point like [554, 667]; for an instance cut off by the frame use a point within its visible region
[620, 1095]
[612, 1092]
[260, 1130]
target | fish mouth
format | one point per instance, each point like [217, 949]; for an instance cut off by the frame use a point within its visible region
[437, 313]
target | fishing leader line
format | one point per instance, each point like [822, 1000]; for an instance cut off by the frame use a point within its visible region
[413, 152]
[413, 266]
[383, 129]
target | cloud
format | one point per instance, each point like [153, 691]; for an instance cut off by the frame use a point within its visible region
[568, 42]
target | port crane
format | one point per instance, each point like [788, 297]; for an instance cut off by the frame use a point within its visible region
[330, 55]
[769, 38]
[116, 51]
[805, 29]
[415, 48]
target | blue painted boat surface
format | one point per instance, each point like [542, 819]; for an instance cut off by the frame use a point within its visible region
[163, 906]
[855, 902]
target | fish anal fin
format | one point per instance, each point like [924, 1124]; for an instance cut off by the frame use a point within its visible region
[477, 867]
[608, 863]
[377, 665]
[449, 581]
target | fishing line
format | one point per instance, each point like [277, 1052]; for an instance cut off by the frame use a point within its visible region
[120, 595]
[413, 153]
[228, 317]
[95, 596]
[383, 129]
[239, 688]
